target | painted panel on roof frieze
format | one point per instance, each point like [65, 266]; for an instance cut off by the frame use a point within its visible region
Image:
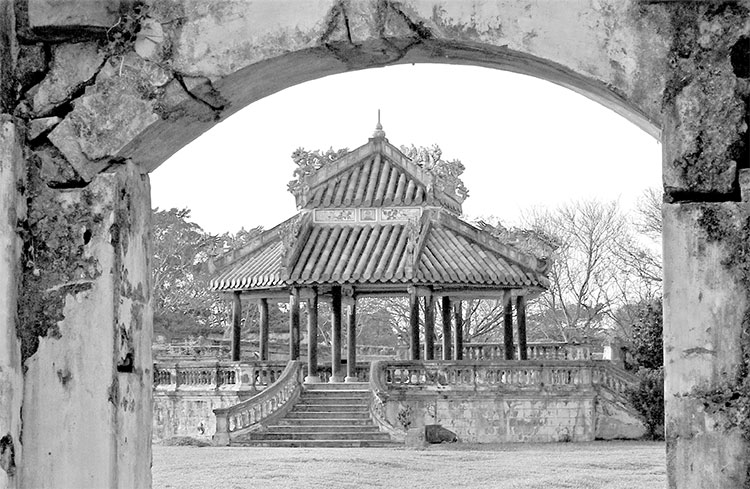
[400, 213]
[335, 215]
[367, 215]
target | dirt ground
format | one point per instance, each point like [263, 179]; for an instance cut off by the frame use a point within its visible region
[596, 465]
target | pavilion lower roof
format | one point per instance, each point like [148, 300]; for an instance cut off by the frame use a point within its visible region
[377, 254]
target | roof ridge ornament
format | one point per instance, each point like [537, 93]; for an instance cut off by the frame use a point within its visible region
[379, 132]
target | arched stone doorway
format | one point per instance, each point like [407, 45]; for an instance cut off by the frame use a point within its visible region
[93, 98]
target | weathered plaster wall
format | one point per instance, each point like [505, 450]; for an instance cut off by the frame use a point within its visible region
[707, 343]
[85, 333]
[500, 418]
[12, 209]
[183, 414]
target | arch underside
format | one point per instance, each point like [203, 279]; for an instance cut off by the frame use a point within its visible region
[165, 137]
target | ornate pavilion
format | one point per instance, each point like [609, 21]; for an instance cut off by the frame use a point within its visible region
[374, 223]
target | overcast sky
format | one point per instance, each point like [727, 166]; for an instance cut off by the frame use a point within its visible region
[525, 142]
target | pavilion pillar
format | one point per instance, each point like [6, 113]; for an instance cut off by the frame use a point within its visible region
[294, 324]
[236, 325]
[458, 338]
[429, 327]
[351, 343]
[523, 354]
[336, 335]
[312, 339]
[508, 325]
[446, 310]
[263, 313]
[414, 325]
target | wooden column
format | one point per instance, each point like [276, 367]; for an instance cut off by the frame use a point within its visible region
[508, 325]
[446, 306]
[429, 327]
[312, 339]
[335, 334]
[414, 325]
[294, 324]
[458, 338]
[263, 313]
[351, 343]
[521, 315]
[236, 325]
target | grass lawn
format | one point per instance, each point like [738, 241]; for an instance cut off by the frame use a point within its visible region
[596, 465]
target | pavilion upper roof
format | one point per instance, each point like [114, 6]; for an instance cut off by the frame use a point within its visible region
[374, 175]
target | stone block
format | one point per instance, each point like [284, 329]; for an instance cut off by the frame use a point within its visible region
[415, 438]
[435, 433]
[57, 14]
[72, 66]
[37, 127]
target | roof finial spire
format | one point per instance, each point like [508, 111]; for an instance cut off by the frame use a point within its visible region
[379, 132]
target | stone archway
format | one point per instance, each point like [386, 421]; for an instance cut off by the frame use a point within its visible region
[93, 98]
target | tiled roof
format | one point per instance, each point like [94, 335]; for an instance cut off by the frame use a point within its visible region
[373, 175]
[369, 184]
[259, 270]
[448, 253]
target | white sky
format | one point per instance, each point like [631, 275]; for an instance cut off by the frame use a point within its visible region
[525, 142]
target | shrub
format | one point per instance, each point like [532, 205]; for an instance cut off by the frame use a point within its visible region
[648, 399]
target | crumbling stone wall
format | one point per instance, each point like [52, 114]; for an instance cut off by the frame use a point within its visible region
[92, 95]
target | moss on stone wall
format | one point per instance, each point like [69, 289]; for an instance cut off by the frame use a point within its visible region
[55, 260]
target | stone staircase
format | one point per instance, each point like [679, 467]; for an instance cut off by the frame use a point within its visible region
[326, 415]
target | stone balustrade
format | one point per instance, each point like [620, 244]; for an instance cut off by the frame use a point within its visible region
[206, 376]
[268, 405]
[535, 351]
[362, 372]
[499, 374]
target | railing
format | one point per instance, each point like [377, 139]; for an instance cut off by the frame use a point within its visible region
[463, 375]
[614, 378]
[216, 375]
[378, 398]
[362, 372]
[266, 406]
[535, 351]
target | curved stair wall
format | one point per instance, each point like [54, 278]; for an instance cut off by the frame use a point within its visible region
[257, 412]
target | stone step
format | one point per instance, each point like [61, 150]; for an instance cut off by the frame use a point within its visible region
[327, 421]
[339, 386]
[331, 408]
[337, 394]
[315, 435]
[319, 401]
[318, 428]
[361, 414]
[316, 443]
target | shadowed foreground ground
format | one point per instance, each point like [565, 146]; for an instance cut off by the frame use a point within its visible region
[597, 465]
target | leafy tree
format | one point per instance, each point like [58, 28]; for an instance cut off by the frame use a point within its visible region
[647, 336]
[648, 399]
[183, 303]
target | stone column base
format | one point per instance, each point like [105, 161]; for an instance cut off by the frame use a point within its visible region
[350, 379]
[335, 379]
[312, 379]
